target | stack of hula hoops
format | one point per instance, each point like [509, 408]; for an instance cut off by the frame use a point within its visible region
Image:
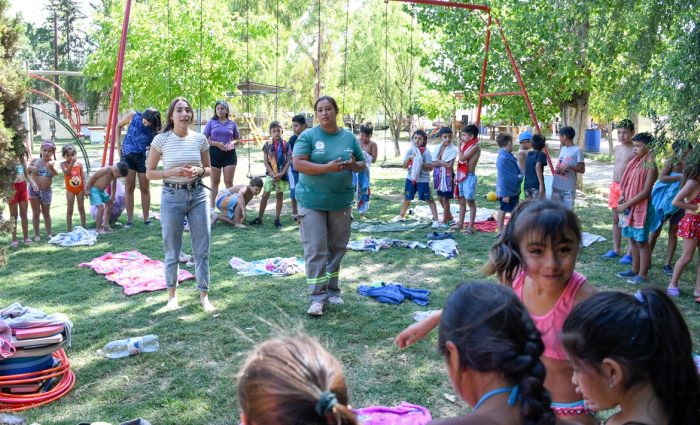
[34, 368]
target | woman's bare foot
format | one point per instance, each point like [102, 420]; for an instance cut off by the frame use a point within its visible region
[206, 304]
[173, 304]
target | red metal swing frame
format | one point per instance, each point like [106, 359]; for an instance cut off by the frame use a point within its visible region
[482, 93]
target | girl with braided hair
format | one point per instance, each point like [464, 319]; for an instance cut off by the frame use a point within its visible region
[634, 352]
[492, 350]
[293, 380]
[536, 256]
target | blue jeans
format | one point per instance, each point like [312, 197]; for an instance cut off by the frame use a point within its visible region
[175, 205]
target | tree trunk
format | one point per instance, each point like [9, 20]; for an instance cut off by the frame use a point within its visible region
[611, 145]
[575, 114]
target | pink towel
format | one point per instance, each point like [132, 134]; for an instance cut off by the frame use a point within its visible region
[633, 180]
[403, 414]
[133, 271]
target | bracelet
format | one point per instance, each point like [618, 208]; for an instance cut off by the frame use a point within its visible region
[203, 171]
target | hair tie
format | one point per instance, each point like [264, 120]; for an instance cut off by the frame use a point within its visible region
[640, 297]
[514, 395]
[325, 403]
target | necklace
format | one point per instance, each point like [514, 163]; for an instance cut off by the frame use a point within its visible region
[512, 399]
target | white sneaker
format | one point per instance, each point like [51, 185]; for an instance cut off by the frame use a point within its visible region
[316, 309]
[336, 300]
[184, 257]
[435, 225]
[397, 218]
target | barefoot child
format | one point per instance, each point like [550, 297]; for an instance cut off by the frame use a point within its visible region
[570, 165]
[636, 207]
[536, 257]
[444, 158]
[233, 200]
[633, 353]
[43, 170]
[662, 198]
[74, 178]
[509, 178]
[97, 187]
[466, 180]
[535, 162]
[689, 228]
[418, 161]
[276, 159]
[623, 155]
[18, 202]
[298, 127]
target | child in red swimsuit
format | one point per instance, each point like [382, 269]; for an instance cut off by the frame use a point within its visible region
[19, 201]
[74, 176]
[688, 198]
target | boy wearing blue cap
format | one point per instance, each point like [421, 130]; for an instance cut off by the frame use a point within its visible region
[525, 142]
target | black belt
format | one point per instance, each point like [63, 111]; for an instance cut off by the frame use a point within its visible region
[189, 186]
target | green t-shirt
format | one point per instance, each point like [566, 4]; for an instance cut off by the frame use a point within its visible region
[327, 191]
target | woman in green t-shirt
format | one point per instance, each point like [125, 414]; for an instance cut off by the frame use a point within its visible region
[325, 157]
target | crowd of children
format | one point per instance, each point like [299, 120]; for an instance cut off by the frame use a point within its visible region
[542, 348]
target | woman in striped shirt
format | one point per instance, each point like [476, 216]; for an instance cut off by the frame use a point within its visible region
[185, 156]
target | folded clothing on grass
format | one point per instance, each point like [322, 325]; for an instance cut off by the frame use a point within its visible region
[403, 414]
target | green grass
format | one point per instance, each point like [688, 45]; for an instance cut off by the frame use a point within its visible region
[190, 380]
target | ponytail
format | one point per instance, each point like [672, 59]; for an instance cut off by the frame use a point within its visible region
[647, 335]
[493, 332]
[293, 379]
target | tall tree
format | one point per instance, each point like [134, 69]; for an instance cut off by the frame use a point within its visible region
[12, 89]
[174, 49]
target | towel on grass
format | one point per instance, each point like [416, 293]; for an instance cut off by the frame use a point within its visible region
[376, 226]
[423, 211]
[79, 236]
[276, 266]
[394, 293]
[403, 414]
[588, 239]
[133, 271]
[445, 247]
[632, 183]
[374, 245]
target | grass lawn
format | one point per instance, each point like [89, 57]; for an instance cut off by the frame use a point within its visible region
[190, 380]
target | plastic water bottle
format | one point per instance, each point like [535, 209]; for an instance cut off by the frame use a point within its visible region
[130, 346]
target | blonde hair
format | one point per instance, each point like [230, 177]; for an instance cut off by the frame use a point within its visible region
[292, 379]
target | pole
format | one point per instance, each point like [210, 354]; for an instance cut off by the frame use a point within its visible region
[118, 81]
[55, 57]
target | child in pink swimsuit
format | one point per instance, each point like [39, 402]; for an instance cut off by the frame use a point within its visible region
[536, 256]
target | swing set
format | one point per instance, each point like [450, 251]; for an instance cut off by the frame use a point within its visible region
[111, 135]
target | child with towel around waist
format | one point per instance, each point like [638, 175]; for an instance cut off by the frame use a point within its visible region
[636, 208]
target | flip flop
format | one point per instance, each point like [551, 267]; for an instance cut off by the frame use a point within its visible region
[27, 241]
[468, 231]
[14, 244]
[673, 292]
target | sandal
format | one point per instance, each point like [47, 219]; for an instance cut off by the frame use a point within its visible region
[14, 244]
[37, 238]
[468, 231]
[673, 292]
[27, 241]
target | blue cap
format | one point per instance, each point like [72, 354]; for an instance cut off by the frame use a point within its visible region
[525, 135]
